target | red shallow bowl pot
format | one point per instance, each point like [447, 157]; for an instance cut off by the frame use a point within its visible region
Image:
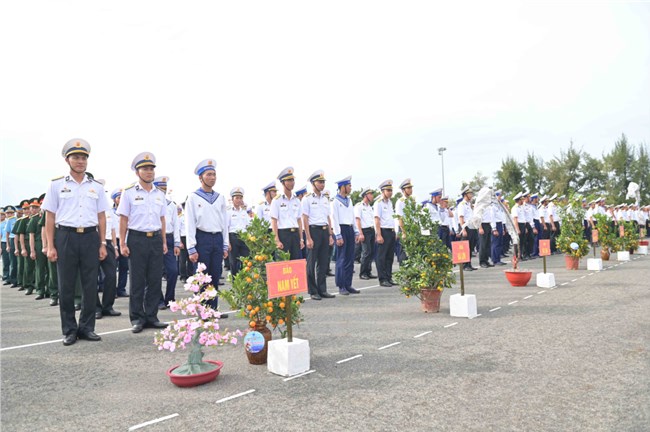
[518, 278]
[196, 379]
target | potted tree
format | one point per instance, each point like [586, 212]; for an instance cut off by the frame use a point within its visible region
[606, 236]
[428, 268]
[249, 291]
[628, 242]
[199, 330]
[571, 240]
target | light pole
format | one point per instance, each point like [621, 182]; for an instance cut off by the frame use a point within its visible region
[441, 150]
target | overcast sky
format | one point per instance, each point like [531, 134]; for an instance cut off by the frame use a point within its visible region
[369, 89]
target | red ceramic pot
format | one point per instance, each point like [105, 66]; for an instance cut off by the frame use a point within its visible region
[195, 379]
[518, 278]
[572, 263]
[430, 299]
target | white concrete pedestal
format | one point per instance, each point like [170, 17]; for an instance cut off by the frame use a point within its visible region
[594, 264]
[288, 359]
[642, 250]
[545, 280]
[462, 305]
[623, 256]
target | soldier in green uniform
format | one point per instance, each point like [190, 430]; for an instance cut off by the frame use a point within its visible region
[10, 247]
[29, 269]
[36, 251]
[52, 276]
[19, 241]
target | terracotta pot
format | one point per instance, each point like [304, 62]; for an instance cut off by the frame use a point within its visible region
[259, 358]
[196, 379]
[604, 254]
[518, 278]
[430, 299]
[572, 263]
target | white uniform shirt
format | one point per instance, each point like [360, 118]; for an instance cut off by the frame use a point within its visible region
[75, 204]
[111, 217]
[172, 222]
[434, 212]
[264, 211]
[489, 217]
[316, 208]
[445, 219]
[238, 219]
[286, 211]
[383, 209]
[144, 209]
[182, 230]
[206, 212]
[552, 211]
[464, 209]
[542, 211]
[365, 214]
[342, 214]
[517, 212]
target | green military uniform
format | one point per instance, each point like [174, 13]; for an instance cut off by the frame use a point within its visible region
[29, 269]
[18, 230]
[40, 275]
[52, 276]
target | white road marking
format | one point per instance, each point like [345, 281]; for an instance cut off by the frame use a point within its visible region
[582, 277]
[541, 292]
[527, 297]
[513, 302]
[10, 311]
[299, 375]
[150, 422]
[422, 334]
[451, 325]
[573, 280]
[589, 274]
[495, 309]
[349, 358]
[235, 396]
[389, 345]
[565, 283]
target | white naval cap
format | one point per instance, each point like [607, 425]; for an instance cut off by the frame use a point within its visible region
[286, 174]
[519, 196]
[161, 181]
[237, 191]
[386, 184]
[436, 192]
[344, 181]
[553, 197]
[116, 192]
[76, 146]
[205, 165]
[318, 175]
[269, 187]
[301, 191]
[406, 184]
[366, 191]
[466, 190]
[142, 160]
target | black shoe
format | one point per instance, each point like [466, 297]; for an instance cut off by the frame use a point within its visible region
[137, 328]
[29, 292]
[122, 294]
[162, 306]
[343, 292]
[364, 277]
[485, 266]
[157, 324]
[371, 276]
[327, 295]
[386, 284]
[77, 307]
[90, 336]
[316, 297]
[468, 268]
[54, 302]
[69, 339]
[353, 291]
[392, 282]
[98, 315]
[39, 297]
[111, 312]
[223, 316]
[13, 286]
[221, 283]
[7, 283]
[329, 273]
[500, 263]
[490, 265]
[21, 288]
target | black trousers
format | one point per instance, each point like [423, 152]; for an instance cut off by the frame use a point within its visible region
[318, 259]
[145, 265]
[238, 250]
[485, 244]
[186, 266]
[472, 236]
[109, 267]
[522, 240]
[385, 255]
[367, 251]
[291, 241]
[78, 254]
[123, 271]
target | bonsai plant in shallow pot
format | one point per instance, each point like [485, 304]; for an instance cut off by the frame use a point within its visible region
[571, 240]
[200, 329]
[428, 268]
[249, 292]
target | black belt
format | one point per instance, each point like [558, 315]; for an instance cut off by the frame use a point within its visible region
[388, 229]
[324, 227]
[206, 232]
[78, 230]
[444, 227]
[144, 234]
[288, 229]
[347, 225]
[367, 229]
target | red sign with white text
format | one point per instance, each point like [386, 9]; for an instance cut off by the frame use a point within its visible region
[621, 230]
[594, 236]
[544, 247]
[286, 278]
[460, 252]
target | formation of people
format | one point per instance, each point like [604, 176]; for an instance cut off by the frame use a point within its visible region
[69, 246]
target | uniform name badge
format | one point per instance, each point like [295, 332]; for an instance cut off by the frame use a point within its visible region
[65, 193]
[138, 201]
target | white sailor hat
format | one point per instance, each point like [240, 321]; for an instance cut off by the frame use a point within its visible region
[286, 174]
[318, 175]
[533, 196]
[237, 191]
[525, 193]
[444, 198]
[519, 196]
[498, 192]
[76, 145]
[365, 191]
[553, 197]
[161, 181]
[269, 187]
[205, 165]
[344, 182]
[116, 192]
[386, 184]
[436, 192]
[406, 184]
[142, 160]
[301, 191]
[544, 198]
[600, 199]
[466, 190]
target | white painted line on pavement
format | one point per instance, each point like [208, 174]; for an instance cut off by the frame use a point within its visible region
[299, 375]
[422, 334]
[589, 274]
[235, 396]
[150, 422]
[10, 311]
[541, 292]
[565, 283]
[31, 345]
[389, 345]
[513, 302]
[368, 287]
[527, 297]
[582, 277]
[495, 309]
[573, 280]
[451, 325]
[478, 315]
[349, 358]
